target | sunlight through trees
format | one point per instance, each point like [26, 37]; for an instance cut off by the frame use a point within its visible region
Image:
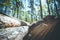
[30, 10]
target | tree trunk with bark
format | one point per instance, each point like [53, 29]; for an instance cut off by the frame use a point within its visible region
[44, 29]
[7, 21]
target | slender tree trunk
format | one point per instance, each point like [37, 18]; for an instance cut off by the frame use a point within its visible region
[52, 10]
[17, 12]
[32, 8]
[48, 6]
[14, 12]
[57, 14]
[17, 7]
[41, 9]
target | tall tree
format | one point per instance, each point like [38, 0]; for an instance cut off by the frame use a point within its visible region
[18, 5]
[48, 6]
[32, 8]
[6, 4]
[41, 9]
[57, 14]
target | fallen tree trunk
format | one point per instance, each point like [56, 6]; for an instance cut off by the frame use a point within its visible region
[14, 33]
[7, 21]
[41, 30]
[12, 28]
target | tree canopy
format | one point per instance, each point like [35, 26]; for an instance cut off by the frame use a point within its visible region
[30, 10]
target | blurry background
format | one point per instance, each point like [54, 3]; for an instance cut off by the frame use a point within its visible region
[30, 10]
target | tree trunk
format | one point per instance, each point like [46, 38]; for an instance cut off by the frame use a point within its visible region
[7, 21]
[41, 9]
[57, 14]
[32, 9]
[48, 7]
[43, 30]
[17, 11]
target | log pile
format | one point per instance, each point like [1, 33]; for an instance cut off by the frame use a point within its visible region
[44, 30]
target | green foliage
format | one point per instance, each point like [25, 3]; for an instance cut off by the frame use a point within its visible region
[37, 10]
